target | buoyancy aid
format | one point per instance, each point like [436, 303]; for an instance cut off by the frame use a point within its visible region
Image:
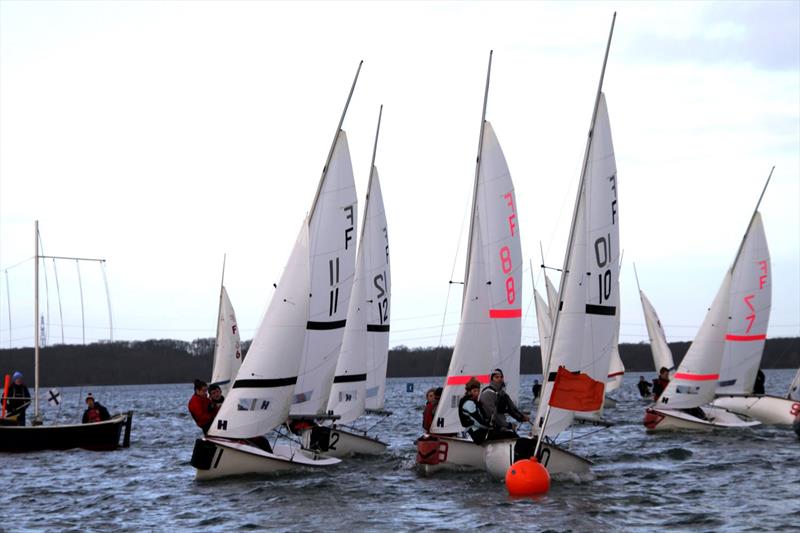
[476, 420]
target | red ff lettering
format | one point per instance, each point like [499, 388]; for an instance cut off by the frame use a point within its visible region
[513, 215]
[763, 278]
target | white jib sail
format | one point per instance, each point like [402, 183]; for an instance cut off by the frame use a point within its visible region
[227, 348]
[662, 355]
[586, 328]
[794, 387]
[616, 369]
[544, 324]
[361, 370]
[379, 294]
[751, 300]
[490, 331]
[260, 396]
[332, 250]
[694, 382]
[552, 297]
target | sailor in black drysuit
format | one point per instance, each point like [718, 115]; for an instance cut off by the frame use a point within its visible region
[471, 413]
[497, 404]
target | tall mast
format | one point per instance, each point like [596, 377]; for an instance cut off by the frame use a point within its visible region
[333, 144]
[475, 186]
[565, 273]
[36, 322]
[752, 218]
[219, 310]
[371, 174]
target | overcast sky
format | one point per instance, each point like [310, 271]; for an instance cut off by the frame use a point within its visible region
[160, 135]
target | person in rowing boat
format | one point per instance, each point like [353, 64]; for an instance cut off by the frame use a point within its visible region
[18, 399]
[661, 382]
[201, 408]
[471, 413]
[758, 386]
[216, 395]
[644, 387]
[95, 412]
[430, 408]
[497, 404]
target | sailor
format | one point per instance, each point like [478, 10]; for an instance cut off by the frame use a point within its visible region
[430, 409]
[95, 411]
[758, 386]
[471, 413]
[644, 387]
[497, 404]
[18, 399]
[216, 395]
[661, 382]
[200, 406]
[536, 389]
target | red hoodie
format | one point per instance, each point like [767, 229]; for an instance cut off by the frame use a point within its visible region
[202, 411]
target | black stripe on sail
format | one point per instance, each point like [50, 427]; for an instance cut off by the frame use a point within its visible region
[351, 378]
[335, 324]
[263, 383]
[727, 383]
[552, 376]
[378, 327]
[608, 310]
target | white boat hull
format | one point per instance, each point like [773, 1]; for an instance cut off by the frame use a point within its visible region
[456, 453]
[452, 453]
[765, 409]
[672, 420]
[216, 458]
[500, 455]
[337, 441]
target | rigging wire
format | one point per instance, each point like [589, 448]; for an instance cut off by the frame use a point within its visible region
[453, 272]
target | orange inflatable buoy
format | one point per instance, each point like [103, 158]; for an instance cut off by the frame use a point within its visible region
[527, 477]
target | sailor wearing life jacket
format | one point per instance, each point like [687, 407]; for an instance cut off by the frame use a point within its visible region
[497, 404]
[95, 412]
[471, 413]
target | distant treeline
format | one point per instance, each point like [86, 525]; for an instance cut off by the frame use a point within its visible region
[172, 361]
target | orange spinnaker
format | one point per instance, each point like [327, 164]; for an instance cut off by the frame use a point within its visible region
[576, 391]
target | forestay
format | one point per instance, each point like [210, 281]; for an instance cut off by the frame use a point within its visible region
[662, 355]
[585, 334]
[332, 252]
[696, 379]
[261, 393]
[751, 300]
[489, 334]
[227, 348]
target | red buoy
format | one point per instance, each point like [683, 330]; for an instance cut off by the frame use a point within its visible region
[527, 477]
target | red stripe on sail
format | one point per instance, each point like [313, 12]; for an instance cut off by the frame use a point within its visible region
[745, 338]
[462, 380]
[505, 313]
[696, 377]
[615, 374]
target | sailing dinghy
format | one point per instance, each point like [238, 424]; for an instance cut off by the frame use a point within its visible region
[96, 436]
[359, 381]
[227, 346]
[584, 325]
[297, 338]
[751, 300]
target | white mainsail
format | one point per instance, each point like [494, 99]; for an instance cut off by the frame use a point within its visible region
[585, 333]
[695, 380]
[261, 393]
[662, 355]
[379, 290]
[360, 377]
[751, 300]
[227, 348]
[490, 330]
[332, 250]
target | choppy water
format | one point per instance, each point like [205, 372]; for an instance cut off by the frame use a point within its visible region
[747, 480]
